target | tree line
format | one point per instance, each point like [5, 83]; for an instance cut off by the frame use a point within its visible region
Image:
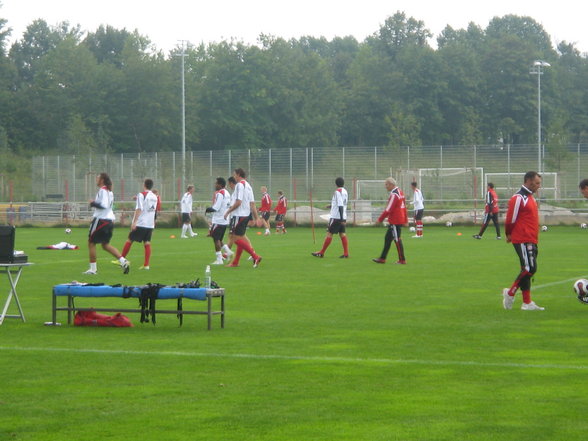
[67, 91]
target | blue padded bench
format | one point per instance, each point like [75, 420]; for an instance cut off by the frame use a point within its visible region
[164, 293]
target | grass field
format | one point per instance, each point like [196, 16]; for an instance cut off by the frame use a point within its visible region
[313, 349]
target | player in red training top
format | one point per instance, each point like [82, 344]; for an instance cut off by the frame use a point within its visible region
[490, 212]
[281, 208]
[397, 216]
[522, 230]
[265, 209]
[337, 221]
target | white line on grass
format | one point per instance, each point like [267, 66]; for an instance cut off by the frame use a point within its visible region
[547, 285]
[350, 360]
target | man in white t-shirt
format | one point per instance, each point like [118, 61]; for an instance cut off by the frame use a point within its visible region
[419, 208]
[240, 213]
[221, 202]
[143, 222]
[186, 210]
[337, 221]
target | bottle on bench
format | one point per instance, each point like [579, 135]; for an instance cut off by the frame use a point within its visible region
[207, 277]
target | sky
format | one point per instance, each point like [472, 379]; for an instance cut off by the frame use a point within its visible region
[168, 22]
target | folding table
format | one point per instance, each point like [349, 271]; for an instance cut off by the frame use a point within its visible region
[13, 271]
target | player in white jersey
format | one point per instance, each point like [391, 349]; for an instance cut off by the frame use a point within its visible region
[186, 210]
[419, 208]
[143, 222]
[240, 212]
[221, 202]
[337, 221]
[102, 224]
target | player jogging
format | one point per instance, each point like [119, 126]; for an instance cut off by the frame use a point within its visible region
[397, 216]
[337, 220]
[143, 222]
[241, 211]
[265, 209]
[490, 212]
[102, 224]
[419, 208]
[281, 208]
[522, 230]
[186, 210]
[221, 202]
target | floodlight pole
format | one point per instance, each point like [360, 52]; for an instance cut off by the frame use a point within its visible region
[536, 70]
[183, 55]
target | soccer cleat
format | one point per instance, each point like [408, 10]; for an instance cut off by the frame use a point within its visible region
[193, 234]
[90, 272]
[115, 262]
[146, 268]
[267, 233]
[507, 299]
[379, 260]
[498, 238]
[229, 256]
[126, 267]
[317, 254]
[344, 256]
[183, 237]
[250, 258]
[532, 307]
[416, 236]
[256, 262]
[217, 262]
[477, 236]
[401, 262]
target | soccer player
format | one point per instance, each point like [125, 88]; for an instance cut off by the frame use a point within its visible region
[337, 220]
[143, 222]
[522, 230]
[102, 224]
[186, 209]
[397, 216]
[281, 208]
[490, 212]
[265, 209]
[221, 202]
[240, 213]
[419, 208]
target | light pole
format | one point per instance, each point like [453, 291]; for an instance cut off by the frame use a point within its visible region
[537, 70]
[183, 55]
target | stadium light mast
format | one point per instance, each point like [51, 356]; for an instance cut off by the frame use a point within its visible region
[537, 70]
[183, 55]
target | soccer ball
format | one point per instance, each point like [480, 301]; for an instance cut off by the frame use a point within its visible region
[544, 228]
[68, 231]
[581, 290]
[449, 224]
[583, 226]
[412, 229]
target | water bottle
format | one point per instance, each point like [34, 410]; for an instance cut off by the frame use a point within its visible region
[207, 277]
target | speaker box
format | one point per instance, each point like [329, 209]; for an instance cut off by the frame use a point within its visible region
[7, 233]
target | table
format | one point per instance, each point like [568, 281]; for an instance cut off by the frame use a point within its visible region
[13, 271]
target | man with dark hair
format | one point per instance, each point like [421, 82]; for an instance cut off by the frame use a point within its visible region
[186, 210]
[522, 230]
[221, 202]
[397, 216]
[337, 221]
[490, 212]
[143, 222]
[584, 187]
[419, 208]
[102, 224]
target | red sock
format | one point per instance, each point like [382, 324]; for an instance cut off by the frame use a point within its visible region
[147, 254]
[126, 248]
[419, 228]
[242, 243]
[526, 296]
[326, 244]
[345, 245]
[237, 255]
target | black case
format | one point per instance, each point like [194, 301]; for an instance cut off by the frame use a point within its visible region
[6, 243]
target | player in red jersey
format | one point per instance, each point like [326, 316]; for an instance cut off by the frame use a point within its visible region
[397, 216]
[281, 208]
[490, 212]
[265, 209]
[522, 230]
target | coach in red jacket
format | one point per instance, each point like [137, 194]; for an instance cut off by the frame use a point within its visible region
[395, 212]
[522, 230]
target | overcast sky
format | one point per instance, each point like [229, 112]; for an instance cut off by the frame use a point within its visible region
[169, 21]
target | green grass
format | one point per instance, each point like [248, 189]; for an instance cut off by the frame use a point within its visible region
[313, 349]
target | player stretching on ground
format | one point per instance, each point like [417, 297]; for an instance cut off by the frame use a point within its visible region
[240, 213]
[281, 208]
[522, 230]
[397, 216]
[490, 212]
[143, 222]
[265, 209]
[103, 224]
[186, 209]
[221, 202]
[419, 208]
[337, 221]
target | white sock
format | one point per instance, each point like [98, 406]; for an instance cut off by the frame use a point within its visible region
[93, 266]
[184, 229]
[219, 255]
[122, 260]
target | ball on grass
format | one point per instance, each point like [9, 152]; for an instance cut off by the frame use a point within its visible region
[68, 231]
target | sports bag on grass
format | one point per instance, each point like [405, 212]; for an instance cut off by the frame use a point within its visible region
[92, 318]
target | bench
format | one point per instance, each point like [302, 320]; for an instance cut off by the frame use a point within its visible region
[73, 290]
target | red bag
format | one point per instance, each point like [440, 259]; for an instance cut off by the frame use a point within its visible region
[92, 318]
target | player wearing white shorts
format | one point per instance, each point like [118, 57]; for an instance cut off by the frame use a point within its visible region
[186, 210]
